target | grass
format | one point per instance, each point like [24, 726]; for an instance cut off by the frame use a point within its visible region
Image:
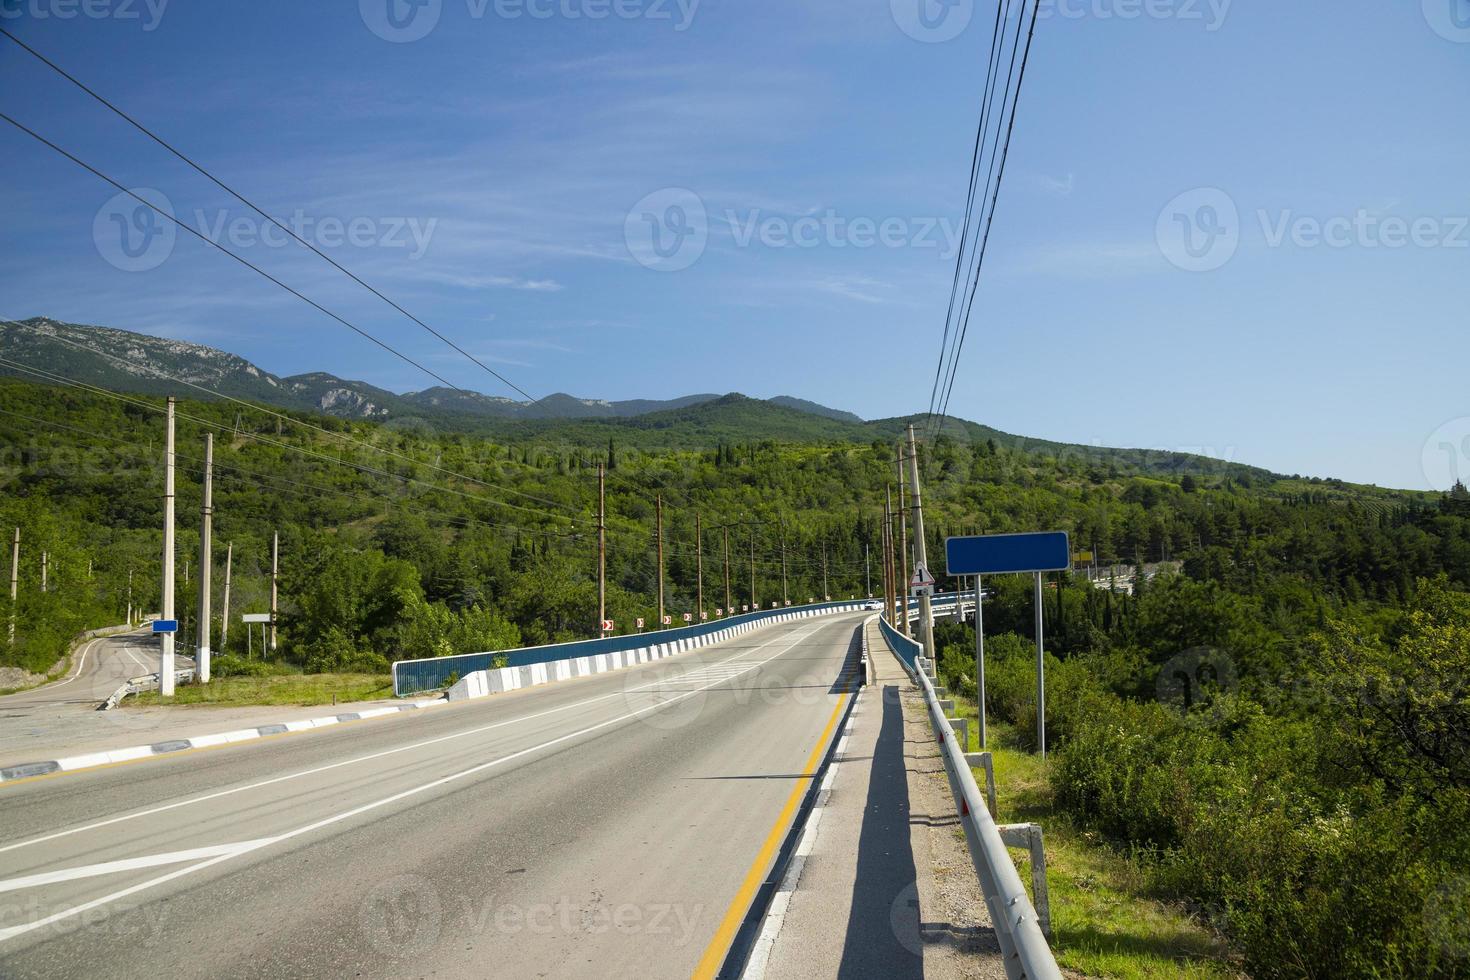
[1105, 921]
[286, 689]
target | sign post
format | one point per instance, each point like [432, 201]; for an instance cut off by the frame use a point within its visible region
[1003, 554]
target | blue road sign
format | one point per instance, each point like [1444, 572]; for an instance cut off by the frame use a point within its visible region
[165, 626]
[998, 554]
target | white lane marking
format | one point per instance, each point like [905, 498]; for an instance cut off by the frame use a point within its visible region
[760, 955]
[366, 758]
[14, 931]
[76, 672]
[131, 864]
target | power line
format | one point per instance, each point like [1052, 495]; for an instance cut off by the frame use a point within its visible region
[248, 203]
[995, 192]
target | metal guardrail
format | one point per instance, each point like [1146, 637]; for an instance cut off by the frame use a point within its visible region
[431, 674]
[1018, 928]
[145, 682]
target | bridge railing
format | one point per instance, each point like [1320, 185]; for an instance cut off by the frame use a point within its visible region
[1017, 926]
[417, 676]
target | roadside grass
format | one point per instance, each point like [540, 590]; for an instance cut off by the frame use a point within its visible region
[1105, 920]
[285, 689]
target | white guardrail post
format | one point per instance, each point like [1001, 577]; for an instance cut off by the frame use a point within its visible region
[1019, 929]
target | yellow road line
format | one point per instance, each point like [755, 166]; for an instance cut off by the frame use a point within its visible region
[714, 953]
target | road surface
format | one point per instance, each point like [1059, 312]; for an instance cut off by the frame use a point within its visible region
[98, 668]
[611, 826]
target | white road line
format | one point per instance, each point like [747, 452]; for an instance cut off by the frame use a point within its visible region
[131, 864]
[14, 931]
[371, 756]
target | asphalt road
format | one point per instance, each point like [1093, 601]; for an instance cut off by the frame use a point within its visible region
[100, 667]
[609, 826]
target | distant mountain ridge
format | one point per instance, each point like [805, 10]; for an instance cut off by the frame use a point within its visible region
[122, 360]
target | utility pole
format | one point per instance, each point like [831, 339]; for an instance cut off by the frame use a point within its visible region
[784, 600]
[887, 564]
[826, 592]
[902, 563]
[729, 596]
[45, 559]
[699, 564]
[224, 619]
[926, 608]
[601, 548]
[130, 597]
[753, 604]
[206, 559]
[166, 658]
[275, 578]
[868, 569]
[888, 572]
[14, 581]
[658, 502]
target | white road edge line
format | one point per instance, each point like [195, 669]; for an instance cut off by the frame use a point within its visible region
[14, 931]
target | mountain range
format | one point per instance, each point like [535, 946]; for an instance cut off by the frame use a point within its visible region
[121, 360]
[45, 350]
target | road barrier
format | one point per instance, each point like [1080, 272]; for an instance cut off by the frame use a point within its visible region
[418, 676]
[1018, 928]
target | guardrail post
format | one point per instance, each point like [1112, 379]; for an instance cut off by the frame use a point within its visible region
[961, 727]
[983, 760]
[1028, 836]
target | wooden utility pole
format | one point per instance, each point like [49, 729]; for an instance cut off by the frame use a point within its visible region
[729, 596]
[14, 581]
[658, 503]
[699, 565]
[601, 548]
[224, 618]
[275, 578]
[166, 659]
[206, 560]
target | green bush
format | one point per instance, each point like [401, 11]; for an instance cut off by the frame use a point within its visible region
[232, 666]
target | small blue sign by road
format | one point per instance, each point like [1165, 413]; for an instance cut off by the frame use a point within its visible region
[165, 626]
[999, 554]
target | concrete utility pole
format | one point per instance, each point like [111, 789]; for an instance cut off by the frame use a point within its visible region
[826, 592]
[729, 596]
[887, 564]
[601, 549]
[224, 619]
[275, 578]
[926, 608]
[888, 554]
[903, 557]
[206, 559]
[753, 604]
[45, 562]
[130, 597]
[14, 581]
[166, 658]
[658, 503]
[868, 569]
[1040, 677]
[784, 600]
[980, 655]
[699, 565]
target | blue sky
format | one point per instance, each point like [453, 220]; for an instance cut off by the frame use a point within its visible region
[495, 172]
